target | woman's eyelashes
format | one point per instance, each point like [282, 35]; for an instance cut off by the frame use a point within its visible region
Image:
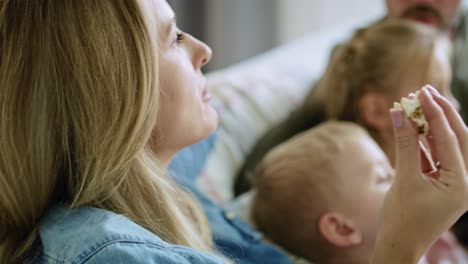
[180, 36]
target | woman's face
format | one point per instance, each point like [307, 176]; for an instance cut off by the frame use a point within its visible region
[185, 115]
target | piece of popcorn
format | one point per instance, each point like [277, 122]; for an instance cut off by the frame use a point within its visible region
[412, 108]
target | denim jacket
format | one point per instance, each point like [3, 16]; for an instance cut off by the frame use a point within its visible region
[90, 235]
[233, 237]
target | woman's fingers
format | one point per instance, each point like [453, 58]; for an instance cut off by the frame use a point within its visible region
[418, 209]
[407, 144]
[443, 139]
[427, 163]
[430, 142]
[454, 119]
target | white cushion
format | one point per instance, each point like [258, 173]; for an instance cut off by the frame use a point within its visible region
[252, 96]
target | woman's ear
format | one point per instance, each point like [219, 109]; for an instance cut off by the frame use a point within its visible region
[373, 109]
[339, 230]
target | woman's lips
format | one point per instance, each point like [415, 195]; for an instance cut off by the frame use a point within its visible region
[206, 96]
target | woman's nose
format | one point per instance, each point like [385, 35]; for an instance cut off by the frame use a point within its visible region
[202, 53]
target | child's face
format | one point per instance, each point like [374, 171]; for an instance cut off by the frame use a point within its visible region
[367, 176]
[439, 76]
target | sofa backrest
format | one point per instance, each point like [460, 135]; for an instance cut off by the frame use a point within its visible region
[252, 96]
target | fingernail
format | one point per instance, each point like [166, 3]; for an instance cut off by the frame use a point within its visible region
[431, 89]
[427, 92]
[397, 118]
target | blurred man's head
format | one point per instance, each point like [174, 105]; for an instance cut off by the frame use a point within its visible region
[440, 13]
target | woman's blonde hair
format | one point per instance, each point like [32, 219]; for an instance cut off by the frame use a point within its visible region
[78, 104]
[378, 59]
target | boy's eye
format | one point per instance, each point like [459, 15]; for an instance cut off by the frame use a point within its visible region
[180, 36]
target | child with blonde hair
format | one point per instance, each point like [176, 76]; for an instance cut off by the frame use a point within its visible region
[377, 66]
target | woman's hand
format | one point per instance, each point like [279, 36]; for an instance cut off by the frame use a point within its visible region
[419, 207]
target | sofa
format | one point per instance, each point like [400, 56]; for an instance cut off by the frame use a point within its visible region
[252, 96]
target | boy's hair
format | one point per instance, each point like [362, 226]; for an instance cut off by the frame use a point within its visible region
[376, 59]
[297, 182]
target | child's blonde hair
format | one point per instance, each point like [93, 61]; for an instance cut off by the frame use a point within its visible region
[378, 58]
[297, 182]
[79, 98]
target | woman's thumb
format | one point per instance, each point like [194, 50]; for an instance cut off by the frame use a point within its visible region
[407, 146]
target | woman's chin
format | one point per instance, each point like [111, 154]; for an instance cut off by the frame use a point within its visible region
[211, 119]
[212, 124]
[209, 124]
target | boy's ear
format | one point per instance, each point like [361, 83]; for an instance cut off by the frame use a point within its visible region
[373, 109]
[339, 230]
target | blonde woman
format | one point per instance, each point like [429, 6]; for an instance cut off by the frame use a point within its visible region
[96, 97]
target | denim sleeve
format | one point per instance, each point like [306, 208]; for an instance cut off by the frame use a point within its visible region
[133, 253]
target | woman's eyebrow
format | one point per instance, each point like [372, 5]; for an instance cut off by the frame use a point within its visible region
[172, 22]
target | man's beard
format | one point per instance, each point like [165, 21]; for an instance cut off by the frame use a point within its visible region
[417, 13]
